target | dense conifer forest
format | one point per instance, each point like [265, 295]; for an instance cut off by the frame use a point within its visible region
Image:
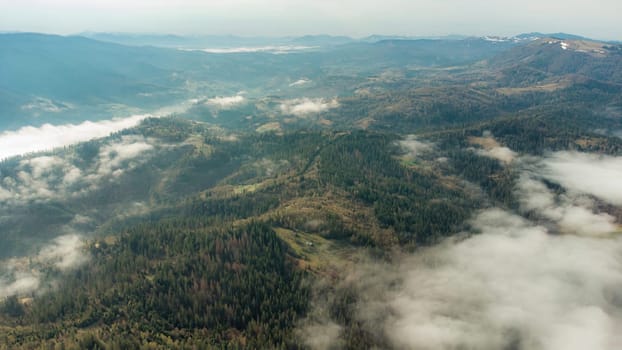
[225, 230]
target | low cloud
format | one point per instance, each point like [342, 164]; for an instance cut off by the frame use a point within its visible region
[573, 214]
[226, 102]
[269, 167]
[43, 177]
[281, 49]
[492, 149]
[114, 156]
[64, 252]
[58, 177]
[19, 283]
[597, 175]
[323, 335]
[501, 153]
[300, 82]
[512, 285]
[41, 104]
[22, 276]
[553, 281]
[305, 106]
[47, 137]
[414, 147]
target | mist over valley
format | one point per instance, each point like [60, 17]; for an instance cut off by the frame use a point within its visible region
[310, 192]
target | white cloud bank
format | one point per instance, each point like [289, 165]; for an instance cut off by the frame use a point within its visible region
[226, 102]
[38, 178]
[492, 149]
[113, 156]
[274, 49]
[514, 285]
[598, 175]
[501, 153]
[64, 252]
[41, 104]
[300, 82]
[574, 214]
[63, 176]
[56, 177]
[414, 147]
[511, 283]
[46, 137]
[305, 106]
[20, 276]
[19, 283]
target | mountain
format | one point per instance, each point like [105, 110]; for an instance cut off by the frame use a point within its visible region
[346, 196]
[561, 36]
[321, 40]
[130, 39]
[59, 79]
[213, 41]
[178, 41]
[45, 74]
[551, 58]
[220, 241]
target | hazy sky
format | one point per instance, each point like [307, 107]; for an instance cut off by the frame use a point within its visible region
[595, 18]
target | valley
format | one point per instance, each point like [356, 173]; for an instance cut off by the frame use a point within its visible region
[340, 197]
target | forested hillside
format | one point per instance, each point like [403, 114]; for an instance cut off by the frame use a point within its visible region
[295, 220]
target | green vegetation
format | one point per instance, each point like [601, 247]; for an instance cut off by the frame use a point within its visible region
[212, 235]
[173, 284]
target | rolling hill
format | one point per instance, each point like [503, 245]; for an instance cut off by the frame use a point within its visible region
[350, 191]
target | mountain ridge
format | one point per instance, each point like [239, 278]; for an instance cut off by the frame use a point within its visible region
[283, 195]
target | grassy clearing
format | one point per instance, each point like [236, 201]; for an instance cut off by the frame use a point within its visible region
[313, 252]
[550, 87]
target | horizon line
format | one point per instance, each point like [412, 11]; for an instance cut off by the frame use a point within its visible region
[85, 33]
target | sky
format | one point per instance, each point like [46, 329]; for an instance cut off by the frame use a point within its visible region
[597, 18]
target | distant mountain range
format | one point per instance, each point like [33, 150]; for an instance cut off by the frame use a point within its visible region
[214, 41]
[111, 74]
[228, 41]
[294, 196]
[60, 79]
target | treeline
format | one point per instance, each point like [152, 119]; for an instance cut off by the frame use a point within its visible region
[168, 285]
[538, 132]
[207, 270]
[414, 203]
